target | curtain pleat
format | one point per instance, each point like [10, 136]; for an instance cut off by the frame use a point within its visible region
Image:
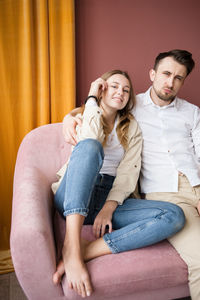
[37, 84]
[62, 60]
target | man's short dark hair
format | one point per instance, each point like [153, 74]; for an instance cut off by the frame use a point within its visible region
[181, 56]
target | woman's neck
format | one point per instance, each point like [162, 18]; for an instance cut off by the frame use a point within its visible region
[109, 117]
[109, 113]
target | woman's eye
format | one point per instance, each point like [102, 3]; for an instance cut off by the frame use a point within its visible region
[114, 86]
[126, 91]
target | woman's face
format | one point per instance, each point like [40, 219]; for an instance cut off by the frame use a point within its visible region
[117, 94]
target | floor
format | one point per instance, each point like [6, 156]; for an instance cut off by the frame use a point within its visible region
[11, 290]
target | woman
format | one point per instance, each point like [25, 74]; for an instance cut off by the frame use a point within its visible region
[100, 176]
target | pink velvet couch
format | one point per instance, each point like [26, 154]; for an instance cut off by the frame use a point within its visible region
[152, 273]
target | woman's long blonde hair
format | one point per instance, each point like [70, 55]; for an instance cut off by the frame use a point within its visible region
[125, 115]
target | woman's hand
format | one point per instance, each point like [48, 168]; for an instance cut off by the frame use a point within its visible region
[104, 218]
[97, 87]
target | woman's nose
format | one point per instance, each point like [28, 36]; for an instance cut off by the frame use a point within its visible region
[120, 91]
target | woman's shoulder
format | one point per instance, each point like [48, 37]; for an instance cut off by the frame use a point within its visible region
[134, 130]
[134, 126]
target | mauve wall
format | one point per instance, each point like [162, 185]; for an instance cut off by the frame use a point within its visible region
[128, 34]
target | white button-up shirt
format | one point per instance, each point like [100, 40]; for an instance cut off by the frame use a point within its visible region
[171, 136]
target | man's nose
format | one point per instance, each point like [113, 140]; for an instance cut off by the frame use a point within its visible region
[170, 81]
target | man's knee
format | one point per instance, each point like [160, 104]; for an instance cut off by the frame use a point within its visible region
[176, 217]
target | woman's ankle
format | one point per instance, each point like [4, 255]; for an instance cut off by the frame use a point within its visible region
[95, 249]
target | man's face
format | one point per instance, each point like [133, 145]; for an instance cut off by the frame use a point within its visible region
[167, 80]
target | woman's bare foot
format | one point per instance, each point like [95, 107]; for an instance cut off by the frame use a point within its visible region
[89, 250]
[76, 272]
[60, 269]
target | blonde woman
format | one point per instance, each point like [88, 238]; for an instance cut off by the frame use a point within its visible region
[96, 185]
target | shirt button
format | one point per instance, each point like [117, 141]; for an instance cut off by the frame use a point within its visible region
[135, 166]
[168, 151]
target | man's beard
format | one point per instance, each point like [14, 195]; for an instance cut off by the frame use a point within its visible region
[164, 97]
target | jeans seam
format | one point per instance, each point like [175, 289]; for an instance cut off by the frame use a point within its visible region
[80, 211]
[110, 244]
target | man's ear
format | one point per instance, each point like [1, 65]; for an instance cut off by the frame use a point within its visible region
[152, 73]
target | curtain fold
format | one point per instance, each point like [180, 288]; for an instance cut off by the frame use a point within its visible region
[62, 60]
[37, 83]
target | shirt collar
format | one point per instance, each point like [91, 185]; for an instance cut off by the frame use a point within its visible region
[148, 101]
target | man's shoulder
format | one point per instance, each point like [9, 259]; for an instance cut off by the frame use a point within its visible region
[139, 103]
[185, 104]
[140, 96]
[140, 100]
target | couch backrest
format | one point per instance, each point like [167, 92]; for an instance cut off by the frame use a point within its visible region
[44, 148]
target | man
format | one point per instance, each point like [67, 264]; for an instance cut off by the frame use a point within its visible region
[171, 151]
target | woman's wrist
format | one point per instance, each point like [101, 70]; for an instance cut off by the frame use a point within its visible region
[91, 96]
[110, 205]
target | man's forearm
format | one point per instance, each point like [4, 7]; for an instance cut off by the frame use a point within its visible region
[70, 122]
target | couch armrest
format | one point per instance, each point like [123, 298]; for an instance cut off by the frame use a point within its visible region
[32, 239]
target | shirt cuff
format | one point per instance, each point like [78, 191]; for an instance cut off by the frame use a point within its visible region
[116, 196]
[91, 102]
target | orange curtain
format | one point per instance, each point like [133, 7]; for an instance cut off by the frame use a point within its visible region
[37, 84]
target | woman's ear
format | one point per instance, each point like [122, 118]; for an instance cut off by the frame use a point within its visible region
[99, 98]
[152, 73]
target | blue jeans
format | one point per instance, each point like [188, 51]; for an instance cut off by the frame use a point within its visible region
[137, 223]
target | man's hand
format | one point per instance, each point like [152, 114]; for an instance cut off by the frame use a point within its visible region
[69, 128]
[104, 218]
